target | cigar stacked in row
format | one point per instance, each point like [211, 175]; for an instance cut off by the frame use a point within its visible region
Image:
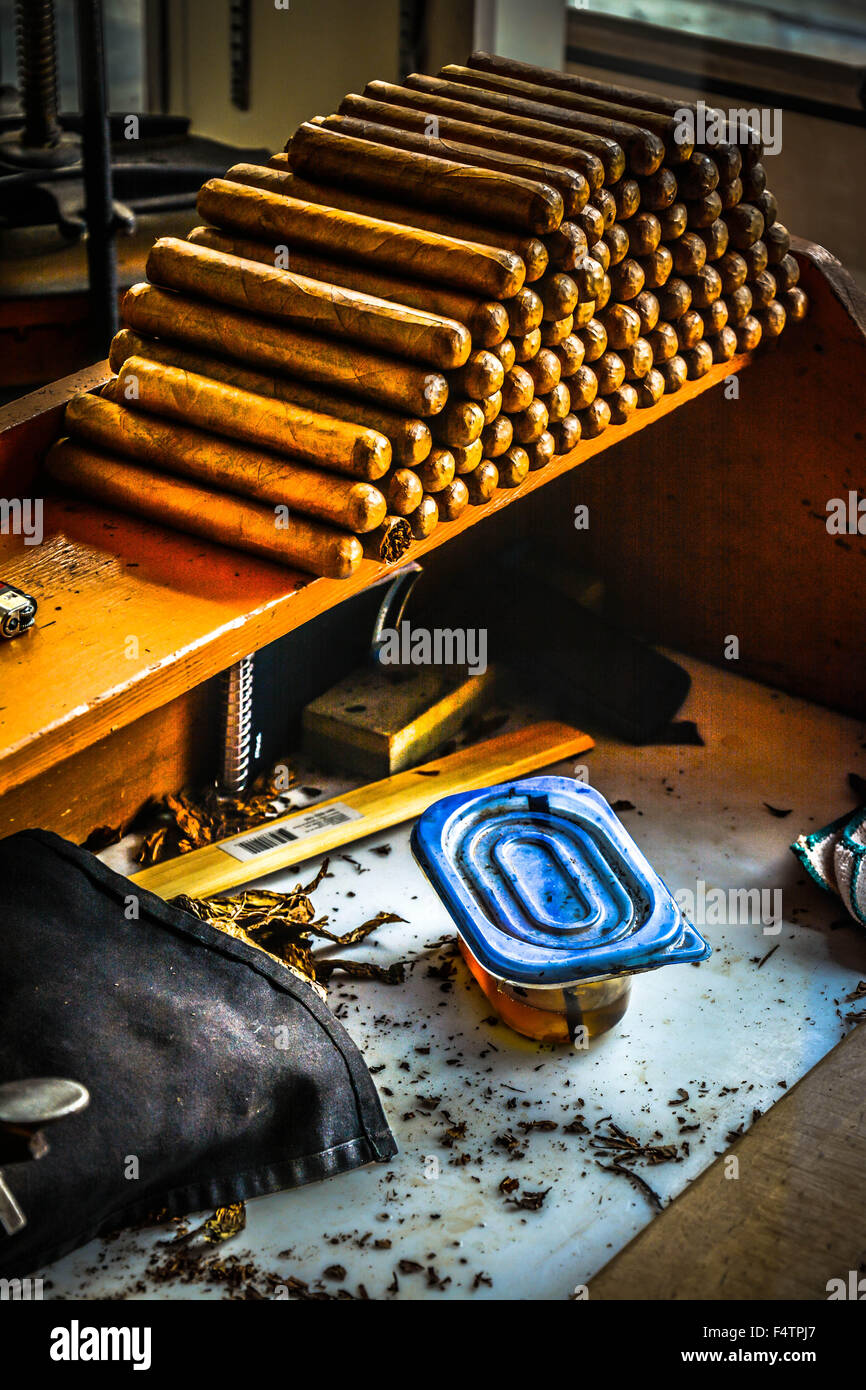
[432, 292]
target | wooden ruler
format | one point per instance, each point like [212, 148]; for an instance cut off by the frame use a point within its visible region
[326, 826]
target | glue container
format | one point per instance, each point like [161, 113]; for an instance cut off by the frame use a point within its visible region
[555, 906]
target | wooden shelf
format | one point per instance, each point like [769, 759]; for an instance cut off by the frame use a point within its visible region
[132, 615]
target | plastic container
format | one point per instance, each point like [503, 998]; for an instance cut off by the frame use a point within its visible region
[555, 906]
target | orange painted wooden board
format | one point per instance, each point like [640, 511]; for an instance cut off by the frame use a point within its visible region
[131, 615]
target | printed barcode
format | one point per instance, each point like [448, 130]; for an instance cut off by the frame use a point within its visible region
[248, 846]
[259, 843]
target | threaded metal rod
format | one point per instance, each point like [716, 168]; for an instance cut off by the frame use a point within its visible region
[36, 47]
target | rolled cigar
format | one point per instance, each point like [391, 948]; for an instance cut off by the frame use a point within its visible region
[619, 244]
[590, 133]
[601, 252]
[689, 330]
[646, 306]
[557, 403]
[754, 181]
[486, 319]
[467, 133]
[644, 148]
[583, 388]
[777, 241]
[566, 246]
[191, 398]
[559, 294]
[796, 304]
[469, 457]
[729, 162]
[342, 366]
[308, 304]
[674, 371]
[626, 195]
[569, 183]
[650, 389]
[591, 223]
[787, 272]
[602, 299]
[659, 191]
[175, 502]
[545, 370]
[622, 325]
[390, 542]
[606, 204]
[513, 466]
[631, 100]
[644, 233]
[698, 360]
[497, 437]
[724, 345]
[566, 435]
[714, 317]
[482, 482]
[481, 269]
[460, 423]
[703, 212]
[403, 491]
[715, 239]
[705, 286]
[763, 289]
[768, 207]
[425, 518]
[745, 224]
[771, 317]
[453, 500]
[571, 353]
[527, 346]
[739, 305]
[587, 274]
[481, 376]
[517, 390]
[610, 373]
[733, 269]
[594, 339]
[664, 342]
[689, 254]
[756, 257]
[216, 462]
[638, 360]
[525, 312]
[277, 177]
[506, 354]
[730, 194]
[410, 439]
[584, 313]
[541, 451]
[530, 423]
[520, 203]
[673, 221]
[555, 331]
[698, 176]
[622, 404]
[439, 469]
[491, 406]
[595, 419]
[501, 127]
[657, 267]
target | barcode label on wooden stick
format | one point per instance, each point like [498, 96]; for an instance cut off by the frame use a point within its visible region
[274, 837]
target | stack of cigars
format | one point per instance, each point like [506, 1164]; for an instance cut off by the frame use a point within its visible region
[433, 292]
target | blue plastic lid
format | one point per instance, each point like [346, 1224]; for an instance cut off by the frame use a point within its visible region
[547, 887]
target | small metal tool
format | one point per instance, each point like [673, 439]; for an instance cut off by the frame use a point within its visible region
[17, 610]
[26, 1107]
